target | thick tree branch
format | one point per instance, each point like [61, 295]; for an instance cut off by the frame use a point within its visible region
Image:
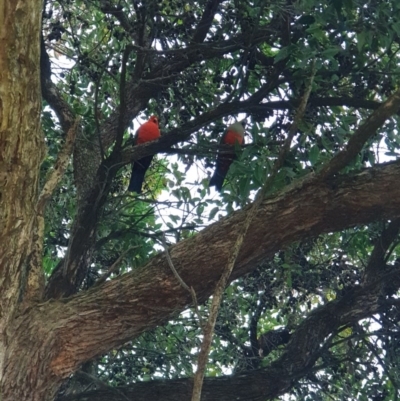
[270, 382]
[93, 176]
[108, 8]
[222, 282]
[56, 173]
[182, 133]
[164, 143]
[55, 100]
[117, 311]
[206, 20]
[68, 276]
[35, 275]
[65, 283]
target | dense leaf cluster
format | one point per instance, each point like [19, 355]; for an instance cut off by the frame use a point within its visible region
[198, 66]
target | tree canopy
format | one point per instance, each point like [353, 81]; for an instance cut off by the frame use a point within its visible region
[94, 279]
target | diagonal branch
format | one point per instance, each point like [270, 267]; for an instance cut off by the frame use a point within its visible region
[68, 276]
[377, 259]
[65, 283]
[55, 100]
[108, 8]
[204, 25]
[58, 169]
[117, 311]
[361, 136]
[279, 377]
[94, 177]
[35, 279]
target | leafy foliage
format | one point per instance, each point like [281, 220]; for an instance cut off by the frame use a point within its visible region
[253, 62]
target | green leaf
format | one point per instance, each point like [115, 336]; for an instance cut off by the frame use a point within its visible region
[330, 52]
[213, 213]
[313, 155]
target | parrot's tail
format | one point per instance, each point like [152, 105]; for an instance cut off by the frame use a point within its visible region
[217, 180]
[137, 178]
[139, 169]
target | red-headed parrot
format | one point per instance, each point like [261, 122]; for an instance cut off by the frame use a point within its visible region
[147, 132]
[234, 134]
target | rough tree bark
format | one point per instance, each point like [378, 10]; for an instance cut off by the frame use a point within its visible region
[274, 380]
[21, 153]
[70, 331]
[43, 342]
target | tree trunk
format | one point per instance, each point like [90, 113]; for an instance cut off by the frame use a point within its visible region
[21, 153]
[41, 343]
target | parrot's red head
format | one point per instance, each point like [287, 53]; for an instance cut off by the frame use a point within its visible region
[154, 119]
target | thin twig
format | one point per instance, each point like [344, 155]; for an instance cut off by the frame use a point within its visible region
[382, 363]
[114, 266]
[122, 100]
[81, 375]
[97, 111]
[181, 282]
[220, 287]
[364, 132]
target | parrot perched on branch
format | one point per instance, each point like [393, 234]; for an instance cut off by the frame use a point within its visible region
[233, 135]
[147, 132]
